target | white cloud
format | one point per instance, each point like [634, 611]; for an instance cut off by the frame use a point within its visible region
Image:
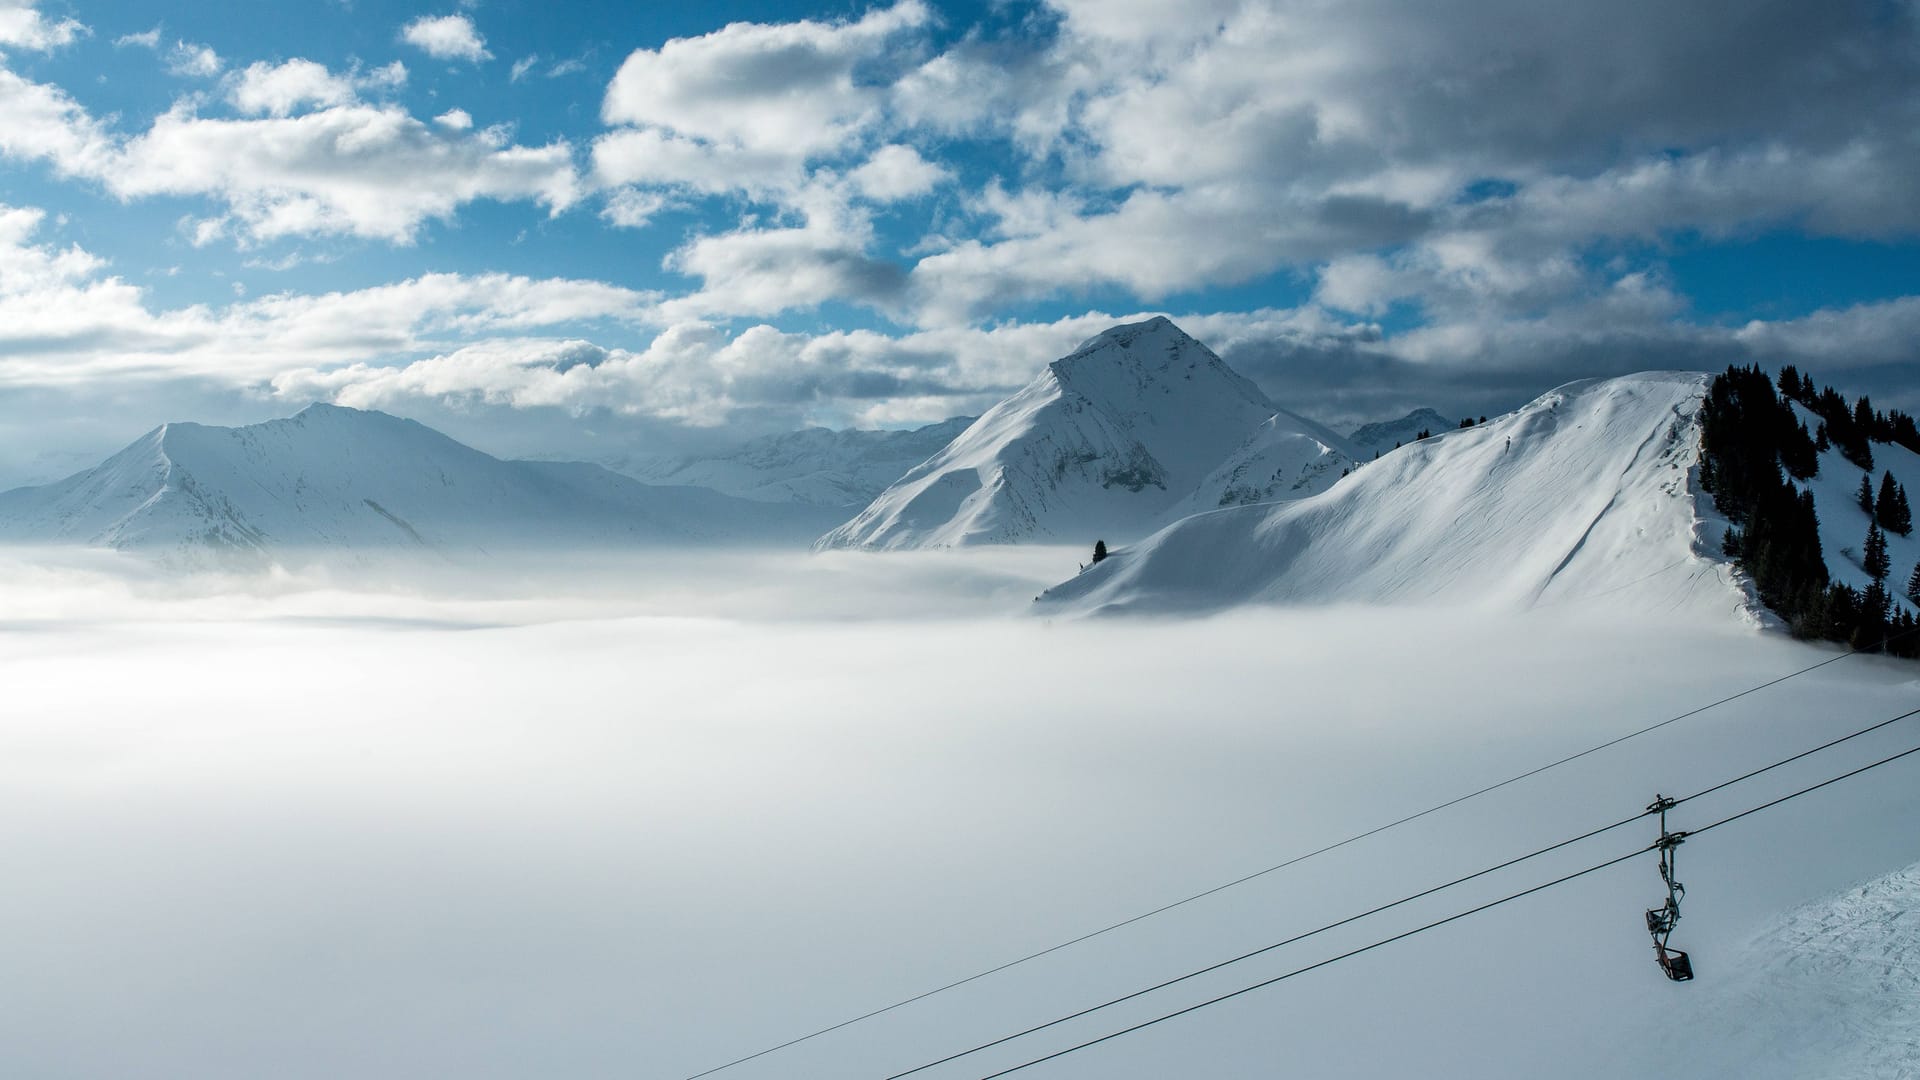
[40, 122]
[353, 169]
[631, 208]
[897, 172]
[446, 37]
[280, 89]
[62, 321]
[522, 66]
[193, 61]
[359, 170]
[762, 271]
[22, 26]
[656, 158]
[146, 39]
[455, 120]
[785, 88]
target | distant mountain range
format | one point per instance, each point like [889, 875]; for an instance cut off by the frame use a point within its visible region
[1380, 438]
[333, 479]
[814, 466]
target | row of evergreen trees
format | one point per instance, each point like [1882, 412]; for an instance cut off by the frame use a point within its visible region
[1853, 429]
[1751, 441]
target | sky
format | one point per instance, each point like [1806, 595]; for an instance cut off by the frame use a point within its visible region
[596, 229]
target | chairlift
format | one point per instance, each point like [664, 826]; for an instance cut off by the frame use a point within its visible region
[1661, 920]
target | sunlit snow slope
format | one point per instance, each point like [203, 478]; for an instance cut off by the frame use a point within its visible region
[1581, 495]
[338, 479]
[1829, 990]
[1103, 445]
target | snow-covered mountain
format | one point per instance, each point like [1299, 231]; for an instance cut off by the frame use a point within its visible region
[338, 479]
[1583, 494]
[1287, 457]
[1384, 436]
[815, 466]
[1106, 443]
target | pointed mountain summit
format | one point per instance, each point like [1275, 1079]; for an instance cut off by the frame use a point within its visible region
[340, 479]
[1104, 444]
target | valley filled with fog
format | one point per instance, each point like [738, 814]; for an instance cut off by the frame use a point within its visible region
[590, 816]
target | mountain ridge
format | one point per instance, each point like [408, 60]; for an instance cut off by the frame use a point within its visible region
[339, 479]
[1584, 492]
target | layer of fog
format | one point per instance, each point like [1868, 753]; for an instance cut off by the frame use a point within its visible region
[644, 826]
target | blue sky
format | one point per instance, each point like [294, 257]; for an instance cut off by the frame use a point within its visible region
[600, 228]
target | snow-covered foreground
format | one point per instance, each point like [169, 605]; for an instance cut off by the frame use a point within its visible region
[611, 836]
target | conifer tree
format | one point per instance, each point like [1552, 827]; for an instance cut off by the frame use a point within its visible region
[1873, 556]
[1913, 584]
[1099, 550]
[1892, 508]
[1865, 495]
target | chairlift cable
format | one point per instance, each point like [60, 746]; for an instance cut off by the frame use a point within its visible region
[1442, 922]
[1666, 803]
[1294, 861]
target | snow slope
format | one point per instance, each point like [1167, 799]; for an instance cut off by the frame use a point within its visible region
[813, 466]
[1591, 500]
[342, 479]
[1287, 457]
[1829, 989]
[1103, 444]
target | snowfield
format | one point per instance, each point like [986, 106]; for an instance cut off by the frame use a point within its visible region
[477, 829]
[1584, 496]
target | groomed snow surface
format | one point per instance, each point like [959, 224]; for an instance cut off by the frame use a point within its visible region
[313, 834]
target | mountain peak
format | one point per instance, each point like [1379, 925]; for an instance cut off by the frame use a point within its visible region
[1126, 334]
[1101, 444]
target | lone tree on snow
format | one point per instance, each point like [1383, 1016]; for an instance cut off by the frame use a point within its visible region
[1895, 514]
[1099, 550]
[1874, 559]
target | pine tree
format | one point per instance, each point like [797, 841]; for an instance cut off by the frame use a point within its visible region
[1895, 513]
[1883, 504]
[1873, 556]
[1099, 550]
[1865, 496]
[1913, 584]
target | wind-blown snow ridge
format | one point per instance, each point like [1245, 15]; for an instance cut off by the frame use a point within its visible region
[1104, 444]
[1583, 495]
[339, 479]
